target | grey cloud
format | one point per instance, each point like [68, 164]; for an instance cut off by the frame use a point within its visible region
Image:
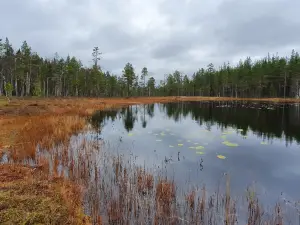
[168, 50]
[109, 38]
[256, 27]
[220, 31]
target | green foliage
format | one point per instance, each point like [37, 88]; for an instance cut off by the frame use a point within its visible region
[129, 76]
[37, 89]
[8, 87]
[272, 76]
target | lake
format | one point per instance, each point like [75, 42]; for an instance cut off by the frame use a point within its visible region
[256, 145]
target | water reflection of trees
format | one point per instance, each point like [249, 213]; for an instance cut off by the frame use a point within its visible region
[265, 120]
[99, 118]
[129, 116]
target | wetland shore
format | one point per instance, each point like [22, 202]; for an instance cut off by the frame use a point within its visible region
[29, 191]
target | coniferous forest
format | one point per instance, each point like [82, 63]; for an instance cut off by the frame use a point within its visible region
[25, 73]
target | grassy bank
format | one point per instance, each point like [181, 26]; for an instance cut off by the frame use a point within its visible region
[27, 196]
[128, 194]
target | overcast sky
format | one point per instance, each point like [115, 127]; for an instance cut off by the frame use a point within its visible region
[163, 35]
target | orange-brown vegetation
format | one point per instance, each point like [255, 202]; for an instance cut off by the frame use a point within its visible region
[27, 198]
[119, 192]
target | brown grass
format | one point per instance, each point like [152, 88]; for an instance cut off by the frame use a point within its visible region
[128, 193]
[26, 198]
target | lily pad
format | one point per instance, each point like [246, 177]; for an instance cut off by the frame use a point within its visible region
[162, 134]
[200, 153]
[221, 156]
[180, 144]
[223, 137]
[199, 147]
[227, 143]
[264, 143]
[130, 134]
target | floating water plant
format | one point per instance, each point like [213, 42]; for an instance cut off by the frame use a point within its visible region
[192, 147]
[240, 130]
[180, 144]
[130, 134]
[171, 146]
[227, 143]
[199, 147]
[221, 156]
[162, 134]
[264, 143]
[200, 153]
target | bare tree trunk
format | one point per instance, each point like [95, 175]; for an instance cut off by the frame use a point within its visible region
[236, 95]
[16, 78]
[284, 87]
[297, 90]
[22, 90]
[27, 84]
[44, 88]
[47, 87]
[16, 86]
[1, 83]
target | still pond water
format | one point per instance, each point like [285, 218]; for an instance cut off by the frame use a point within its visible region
[196, 143]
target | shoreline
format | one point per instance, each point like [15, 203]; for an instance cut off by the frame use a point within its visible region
[30, 120]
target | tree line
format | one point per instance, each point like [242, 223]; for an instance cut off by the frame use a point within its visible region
[24, 72]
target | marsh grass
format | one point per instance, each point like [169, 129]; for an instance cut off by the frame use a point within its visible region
[115, 189]
[44, 132]
[119, 191]
[27, 198]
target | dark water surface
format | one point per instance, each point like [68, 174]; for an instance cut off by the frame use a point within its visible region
[197, 143]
